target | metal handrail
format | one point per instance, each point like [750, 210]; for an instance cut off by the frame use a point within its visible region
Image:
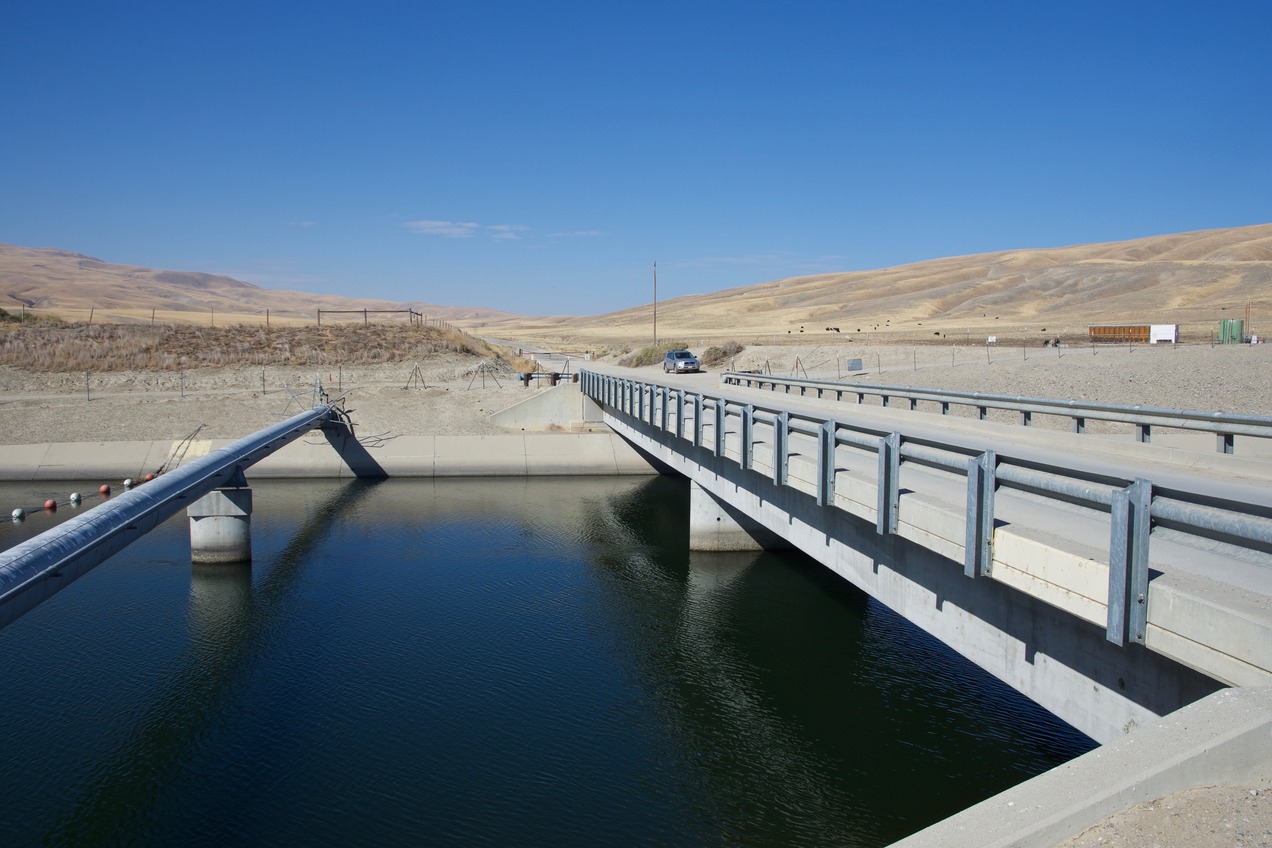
[1223, 424]
[1131, 503]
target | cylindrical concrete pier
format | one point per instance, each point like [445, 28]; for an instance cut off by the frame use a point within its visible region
[221, 526]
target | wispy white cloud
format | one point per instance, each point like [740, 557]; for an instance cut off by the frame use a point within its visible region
[467, 229]
[507, 231]
[577, 234]
[445, 229]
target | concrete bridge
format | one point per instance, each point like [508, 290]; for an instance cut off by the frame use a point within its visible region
[1112, 582]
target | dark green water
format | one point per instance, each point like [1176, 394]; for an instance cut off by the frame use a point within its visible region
[504, 662]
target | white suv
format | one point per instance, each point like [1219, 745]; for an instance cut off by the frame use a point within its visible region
[680, 361]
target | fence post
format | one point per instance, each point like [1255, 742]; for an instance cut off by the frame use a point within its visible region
[748, 437]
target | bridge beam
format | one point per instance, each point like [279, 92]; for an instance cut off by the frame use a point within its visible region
[716, 526]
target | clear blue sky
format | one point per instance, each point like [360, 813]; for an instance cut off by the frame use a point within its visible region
[540, 157]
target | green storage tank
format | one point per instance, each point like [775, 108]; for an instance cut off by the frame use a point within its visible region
[1231, 331]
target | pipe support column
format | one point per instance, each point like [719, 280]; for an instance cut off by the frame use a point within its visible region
[221, 526]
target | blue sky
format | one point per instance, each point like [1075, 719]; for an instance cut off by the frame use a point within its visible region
[540, 157]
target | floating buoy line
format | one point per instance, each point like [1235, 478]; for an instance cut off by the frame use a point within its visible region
[74, 499]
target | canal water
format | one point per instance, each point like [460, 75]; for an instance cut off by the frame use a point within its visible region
[505, 662]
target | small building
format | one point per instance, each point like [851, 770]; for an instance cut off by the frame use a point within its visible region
[1121, 333]
[1134, 333]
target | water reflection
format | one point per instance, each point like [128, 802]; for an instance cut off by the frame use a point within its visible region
[228, 622]
[504, 661]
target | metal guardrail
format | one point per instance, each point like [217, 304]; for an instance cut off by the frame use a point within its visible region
[1135, 506]
[36, 569]
[1226, 426]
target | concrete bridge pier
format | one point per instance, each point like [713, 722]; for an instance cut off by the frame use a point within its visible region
[221, 526]
[716, 526]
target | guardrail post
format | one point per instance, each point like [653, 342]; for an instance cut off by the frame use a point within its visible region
[1079, 424]
[982, 412]
[781, 438]
[826, 463]
[1131, 521]
[1224, 442]
[666, 402]
[680, 413]
[1026, 418]
[719, 427]
[889, 484]
[748, 437]
[697, 421]
[981, 482]
[1143, 433]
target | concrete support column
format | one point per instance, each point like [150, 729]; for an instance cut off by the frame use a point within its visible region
[716, 526]
[221, 526]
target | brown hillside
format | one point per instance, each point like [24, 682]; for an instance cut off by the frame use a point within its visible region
[1191, 279]
[68, 285]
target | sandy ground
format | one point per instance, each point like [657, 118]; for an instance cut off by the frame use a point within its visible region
[455, 396]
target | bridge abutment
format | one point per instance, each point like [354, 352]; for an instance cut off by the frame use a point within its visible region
[221, 526]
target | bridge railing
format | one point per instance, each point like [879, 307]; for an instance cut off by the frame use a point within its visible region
[1226, 426]
[768, 439]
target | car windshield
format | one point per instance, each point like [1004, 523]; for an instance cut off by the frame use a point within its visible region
[683, 354]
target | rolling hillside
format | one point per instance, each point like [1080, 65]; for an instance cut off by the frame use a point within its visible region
[1191, 279]
[70, 284]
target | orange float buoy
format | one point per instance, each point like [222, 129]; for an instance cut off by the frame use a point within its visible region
[148, 478]
[50, 505]
[104, 489]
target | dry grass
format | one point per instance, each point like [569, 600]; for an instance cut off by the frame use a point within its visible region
[51, 346]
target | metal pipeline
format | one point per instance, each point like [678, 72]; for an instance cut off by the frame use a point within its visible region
[38, 568]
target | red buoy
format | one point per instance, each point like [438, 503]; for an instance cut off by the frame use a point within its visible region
[50, 505]
[148, 477]
[104, 489]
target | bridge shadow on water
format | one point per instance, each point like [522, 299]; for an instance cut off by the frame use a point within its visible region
[229, 621]
[785, 683]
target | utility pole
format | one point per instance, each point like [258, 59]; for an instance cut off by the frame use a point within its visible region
[655, 303]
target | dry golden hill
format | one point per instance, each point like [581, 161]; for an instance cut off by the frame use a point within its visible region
[69, 285]
[1191, 279]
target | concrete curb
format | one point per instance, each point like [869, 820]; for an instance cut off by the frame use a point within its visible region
[1225, 738]
[511, 455]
